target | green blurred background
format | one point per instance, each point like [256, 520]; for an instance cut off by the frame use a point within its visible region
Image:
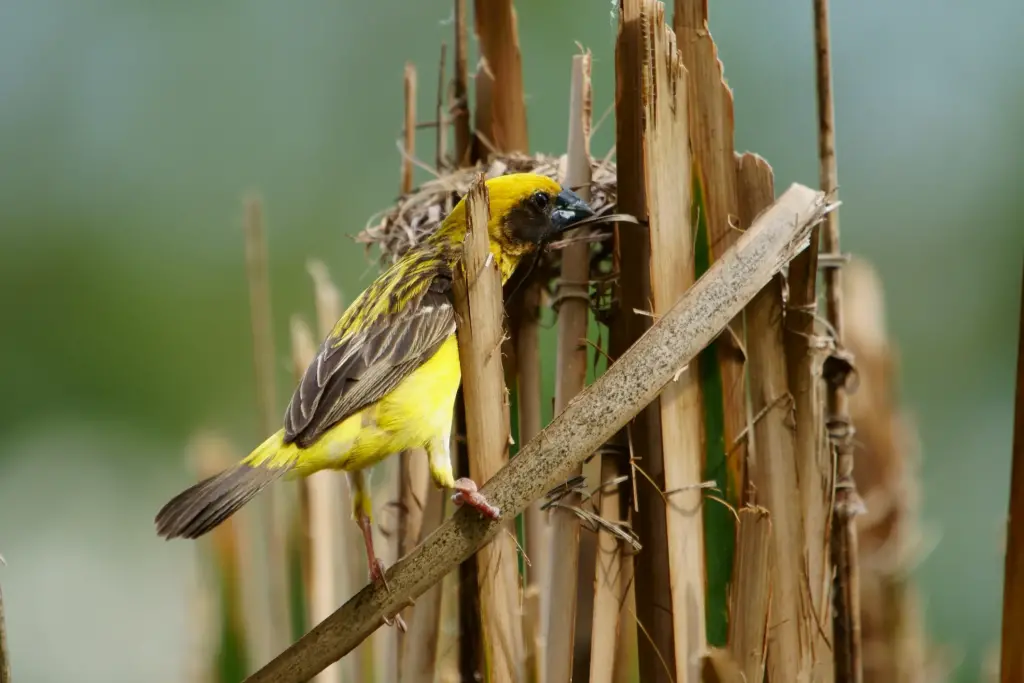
[130, 131]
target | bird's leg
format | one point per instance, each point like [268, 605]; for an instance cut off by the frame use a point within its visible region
[375, 563]
[362, 509]
[466, 493]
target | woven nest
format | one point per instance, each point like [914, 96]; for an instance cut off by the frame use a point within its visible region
[417, 214]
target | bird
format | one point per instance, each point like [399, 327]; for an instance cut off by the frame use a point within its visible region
[384, 380]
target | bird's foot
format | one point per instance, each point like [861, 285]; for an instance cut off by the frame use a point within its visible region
[377, 570]
[467, 493]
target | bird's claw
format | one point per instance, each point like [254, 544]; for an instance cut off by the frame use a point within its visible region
[467, 493]
[377, 572]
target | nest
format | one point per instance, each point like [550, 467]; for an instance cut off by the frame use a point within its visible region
[417, 214]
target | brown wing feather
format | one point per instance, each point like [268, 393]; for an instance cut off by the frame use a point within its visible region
[346, 377]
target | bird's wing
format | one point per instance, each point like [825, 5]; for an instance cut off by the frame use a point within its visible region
[366, 357]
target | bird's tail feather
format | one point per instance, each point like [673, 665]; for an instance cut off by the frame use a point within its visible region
[201, 507]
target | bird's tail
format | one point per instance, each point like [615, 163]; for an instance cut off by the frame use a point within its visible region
[201, 507]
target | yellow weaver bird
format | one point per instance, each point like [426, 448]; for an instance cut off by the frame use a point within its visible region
[385, 378]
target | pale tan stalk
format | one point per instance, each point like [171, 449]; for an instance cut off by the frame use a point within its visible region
[332, 489]
[420, 655]
[570, 378]
[599, 412]
[750, 600]
[275, 629]
[477, 294]
[608, 587]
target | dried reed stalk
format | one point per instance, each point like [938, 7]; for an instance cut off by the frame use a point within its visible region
[350, 572]
[627, 668]
[419, 653]
[722, 384]
[813, 455]
[409, 132]
[275, 522]
[210, 454]
[792, 625]
[893, 636]
[656, 654]
[666, 147]
[322, 516]
[1012, 665]
[5, 658]
[722, 379]
[837, 370]
[718, 666]
[572, 295]
[504, 129]
[413, 477]
[460, 89]
[750, 599]
[608, 586]
[600, 411]
[476, 290]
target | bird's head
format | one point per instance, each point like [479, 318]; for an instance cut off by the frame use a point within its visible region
[527, 210]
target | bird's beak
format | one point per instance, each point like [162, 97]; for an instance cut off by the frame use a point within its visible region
[569, 210]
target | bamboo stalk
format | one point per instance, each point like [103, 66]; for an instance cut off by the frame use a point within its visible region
[570, 378]
[264, 365]
[667, 177]
[655, 640]
[600, 411]
[476, 291]
[838, 368]
[5, 658]
[1012, 661]
[792, 623]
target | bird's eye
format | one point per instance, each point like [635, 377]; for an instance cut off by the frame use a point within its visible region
[540, 200]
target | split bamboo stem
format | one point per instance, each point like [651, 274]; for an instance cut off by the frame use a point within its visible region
[667, 163]
[505, 128]
[570, 378]
[723, 387]
[476, 290]
[600, 411]
[838, 369]
[655, 640]
[792, 625]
